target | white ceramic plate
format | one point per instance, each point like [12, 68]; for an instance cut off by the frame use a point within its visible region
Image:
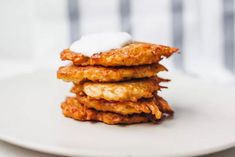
[30, 117]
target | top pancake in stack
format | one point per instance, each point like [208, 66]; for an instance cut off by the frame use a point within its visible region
[117, 86]
[136, 53]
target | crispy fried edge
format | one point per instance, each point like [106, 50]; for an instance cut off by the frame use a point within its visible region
[163, 105]
[137, 53]
[107, 74]
[73, 109]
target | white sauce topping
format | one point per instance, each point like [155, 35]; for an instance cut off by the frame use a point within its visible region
[100, 42]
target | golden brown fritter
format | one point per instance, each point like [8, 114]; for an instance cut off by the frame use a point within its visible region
[73, 109]
[120, 91]
[136, 53]
[148, 106]
[107, 74]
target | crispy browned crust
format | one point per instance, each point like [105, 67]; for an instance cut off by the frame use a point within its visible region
[107, 74]
[163, 105]
[120, 91]
[147, 106]
[73, 109]
[137, 53]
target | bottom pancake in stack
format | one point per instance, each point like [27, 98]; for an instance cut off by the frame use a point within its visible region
[127, 102]
[116, 113]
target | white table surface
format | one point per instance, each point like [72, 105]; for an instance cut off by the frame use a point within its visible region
[10, 68]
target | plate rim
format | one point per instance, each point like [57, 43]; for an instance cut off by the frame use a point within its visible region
[107, 153]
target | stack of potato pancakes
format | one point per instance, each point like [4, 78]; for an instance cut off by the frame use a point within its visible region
[119, 86]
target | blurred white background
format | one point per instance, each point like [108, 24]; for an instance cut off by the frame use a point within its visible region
[33, 33]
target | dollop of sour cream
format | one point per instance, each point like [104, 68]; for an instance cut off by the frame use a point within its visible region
[100, 42]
